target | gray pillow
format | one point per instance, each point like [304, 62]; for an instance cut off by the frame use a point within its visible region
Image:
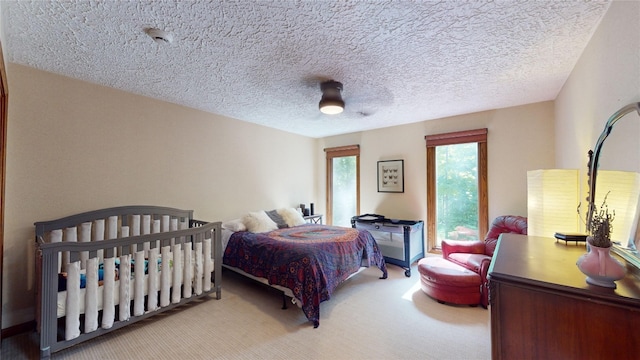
[277, 218]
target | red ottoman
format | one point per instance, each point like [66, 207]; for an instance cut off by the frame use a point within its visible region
[449, 282]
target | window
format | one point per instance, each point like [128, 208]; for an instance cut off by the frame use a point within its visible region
[457, 206]
[343, 184]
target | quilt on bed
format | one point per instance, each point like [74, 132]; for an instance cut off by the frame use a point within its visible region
[311, 260]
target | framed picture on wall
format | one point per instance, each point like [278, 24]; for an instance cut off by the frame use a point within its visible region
[391, 176]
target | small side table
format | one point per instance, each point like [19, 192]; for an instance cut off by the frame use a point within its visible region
[314, 219]
[566, 237]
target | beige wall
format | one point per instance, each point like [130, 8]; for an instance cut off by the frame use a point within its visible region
[75, 146]
[519, 139]
[606, 78]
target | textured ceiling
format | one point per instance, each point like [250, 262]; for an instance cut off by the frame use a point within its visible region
[263, 61]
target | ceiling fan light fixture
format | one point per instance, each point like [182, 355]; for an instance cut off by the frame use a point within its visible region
[331, 102]
[331, 106]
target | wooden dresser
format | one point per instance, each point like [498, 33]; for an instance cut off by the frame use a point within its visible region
[542, 308]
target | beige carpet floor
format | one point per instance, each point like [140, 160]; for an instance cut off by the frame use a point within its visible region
[366, 318]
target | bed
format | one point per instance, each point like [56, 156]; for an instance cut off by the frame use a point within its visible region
[305, 261]
[99, 271]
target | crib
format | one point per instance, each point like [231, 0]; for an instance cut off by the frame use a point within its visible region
[102, 270]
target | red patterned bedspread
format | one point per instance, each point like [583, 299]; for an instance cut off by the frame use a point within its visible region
[311, 260]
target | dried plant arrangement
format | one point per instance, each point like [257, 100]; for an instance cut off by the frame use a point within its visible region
[600, 226]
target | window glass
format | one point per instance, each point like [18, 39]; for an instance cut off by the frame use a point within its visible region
[344, 205]
[457, 192]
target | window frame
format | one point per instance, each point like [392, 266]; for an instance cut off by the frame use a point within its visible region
[336, 152]
[478, 136]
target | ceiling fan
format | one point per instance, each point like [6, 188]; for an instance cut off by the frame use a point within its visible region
[332, 102]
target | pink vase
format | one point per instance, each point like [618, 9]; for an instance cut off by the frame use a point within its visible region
[600, 267]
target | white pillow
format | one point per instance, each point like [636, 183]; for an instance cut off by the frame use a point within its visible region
[291, 216]
[234, 225]
[258, 222]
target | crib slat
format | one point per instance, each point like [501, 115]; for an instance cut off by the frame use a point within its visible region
[91, 296]
[85, 236]
[188, 270]
[199, 268]
[146, 229]
[152, 298]
[177, 273]
[98, 235]
[70, 235]
[112, 227]
[108, 293]
[208, 264]
[138, 295]
[166, 219]
[146, 224]
[125, 288]
[72, 319]
[165, 275]
[173, 226]
[135, 225]
[155, 230]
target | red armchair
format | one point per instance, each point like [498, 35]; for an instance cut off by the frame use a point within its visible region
[476, 255]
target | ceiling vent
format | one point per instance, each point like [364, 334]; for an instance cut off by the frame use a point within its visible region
[160, 36]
